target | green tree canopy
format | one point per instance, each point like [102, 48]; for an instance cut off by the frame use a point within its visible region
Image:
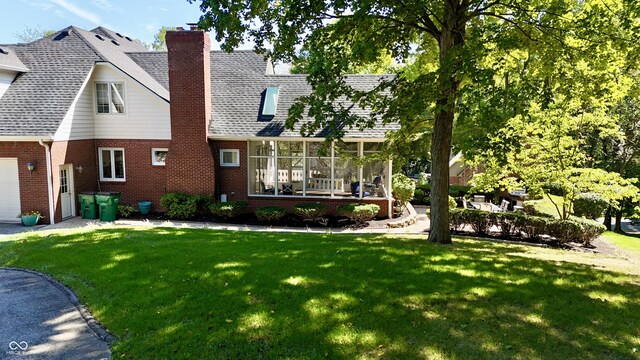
[463, 46]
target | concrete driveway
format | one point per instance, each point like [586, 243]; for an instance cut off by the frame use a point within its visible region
[40, 319]
[8, 229]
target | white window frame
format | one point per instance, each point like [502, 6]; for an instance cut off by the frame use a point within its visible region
[153, 156]
[110, 83]
[113, 162]
[235, 164]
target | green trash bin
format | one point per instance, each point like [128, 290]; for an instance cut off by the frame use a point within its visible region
[88, 205]
[108, 205]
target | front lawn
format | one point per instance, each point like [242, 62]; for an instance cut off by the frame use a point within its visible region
[628, 243]
[180, 293]
[545, 206]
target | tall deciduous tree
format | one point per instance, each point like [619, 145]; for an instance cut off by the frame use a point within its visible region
[458, 34]
[29, 33]
[159, 39]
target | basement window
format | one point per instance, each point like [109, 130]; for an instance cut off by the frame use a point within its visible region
[111, 164]
[270, 104]
[110, 98]
[229, 157]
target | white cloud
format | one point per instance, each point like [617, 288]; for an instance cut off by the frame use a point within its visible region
[104, 4]
[81, 13]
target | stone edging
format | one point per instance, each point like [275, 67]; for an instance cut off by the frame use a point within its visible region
[97, 329]
[409, 220]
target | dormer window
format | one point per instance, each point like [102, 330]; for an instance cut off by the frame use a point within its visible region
[270, 101]
[110, 98]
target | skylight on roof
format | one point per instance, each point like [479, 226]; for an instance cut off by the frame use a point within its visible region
[270, 101]
[120, 35]
[99, 37]
[115, 43]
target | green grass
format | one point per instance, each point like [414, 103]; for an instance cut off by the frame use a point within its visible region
[627, 243]
[178, 293]
[545, 205]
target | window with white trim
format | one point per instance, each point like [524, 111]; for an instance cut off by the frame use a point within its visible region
[110, 98]
[229, 157]
[159, 156]
[111, 164]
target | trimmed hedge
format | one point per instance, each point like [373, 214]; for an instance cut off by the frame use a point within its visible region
[310, 211]
[589, 205]
[525, 226]
[422, 194]
[179, 206]
[227, 210]
[270, 213]
[358, 212]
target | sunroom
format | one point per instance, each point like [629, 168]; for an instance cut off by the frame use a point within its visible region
[311, 169]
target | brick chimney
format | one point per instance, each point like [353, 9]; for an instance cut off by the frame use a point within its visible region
[190, 162]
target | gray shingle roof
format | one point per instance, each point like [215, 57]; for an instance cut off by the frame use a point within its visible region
[9, 60]
[125, 42]
[238, 80]
[36, 102]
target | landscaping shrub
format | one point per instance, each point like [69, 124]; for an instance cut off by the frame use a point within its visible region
[452, 203]
[202, 204]
[179, 206]
[270, 213]
[418, 196]
[403, 188]
[358, 212]
[310, 211]
[125, 210]
[533, 227]
[459, 190]
[229, 209]
[589, 205]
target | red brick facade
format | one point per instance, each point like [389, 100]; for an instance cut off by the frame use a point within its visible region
[33, 185]
[190, 163]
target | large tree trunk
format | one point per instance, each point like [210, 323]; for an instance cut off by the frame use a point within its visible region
[450, 42]
[607, 218]
[618, 227]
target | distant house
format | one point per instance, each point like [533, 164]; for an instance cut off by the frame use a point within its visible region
[95, 111]
[460, 173]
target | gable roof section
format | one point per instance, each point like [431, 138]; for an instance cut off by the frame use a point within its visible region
[125, 42]
[113, 54]
[10, 61]
[36, 101]
[238, 80]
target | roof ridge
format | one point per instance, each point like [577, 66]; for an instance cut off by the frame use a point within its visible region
[88, 44]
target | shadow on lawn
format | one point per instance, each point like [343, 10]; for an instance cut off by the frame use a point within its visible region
[197, 293]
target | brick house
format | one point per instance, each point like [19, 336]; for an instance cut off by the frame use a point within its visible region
[95, 111]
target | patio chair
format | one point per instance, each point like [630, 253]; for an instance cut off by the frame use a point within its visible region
[287, 189]
[504, 206]
[266, 190]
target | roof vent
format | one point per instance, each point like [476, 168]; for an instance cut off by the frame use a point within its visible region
[3, 51]
[115, 43]
[120, 35]
[193, 26]
[99, 37]
[63, 34]
[128, 38]
[270, 103]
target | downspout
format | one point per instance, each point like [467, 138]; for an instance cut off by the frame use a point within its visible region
[49, 181]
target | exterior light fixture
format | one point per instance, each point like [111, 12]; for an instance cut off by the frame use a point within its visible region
[79, 169]
[31, 166]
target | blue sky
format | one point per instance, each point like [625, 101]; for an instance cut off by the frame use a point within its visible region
[136, 18]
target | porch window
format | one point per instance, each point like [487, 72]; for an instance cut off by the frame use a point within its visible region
[308, 168]
[110, 98]
[111, 164]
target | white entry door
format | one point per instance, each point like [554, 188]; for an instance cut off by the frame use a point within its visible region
[66, 191]
[9, 190]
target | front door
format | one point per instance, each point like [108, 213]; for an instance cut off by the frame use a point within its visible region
[66, 190]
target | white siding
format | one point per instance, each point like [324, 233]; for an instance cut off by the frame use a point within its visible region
[6, 77]
[146, 115]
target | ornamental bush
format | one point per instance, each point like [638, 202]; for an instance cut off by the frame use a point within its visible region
[452, 203]
[270, 213]
[358, 212]
[589, 205]
[403, 188]
[310, 211]
[125, 210]
[179, 206]
[229, 209]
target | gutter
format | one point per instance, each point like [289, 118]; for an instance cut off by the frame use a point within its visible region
[49, 181]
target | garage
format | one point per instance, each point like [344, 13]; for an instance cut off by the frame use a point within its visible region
[9, 190]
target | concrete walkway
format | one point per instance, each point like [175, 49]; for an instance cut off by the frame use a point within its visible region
[41, 319]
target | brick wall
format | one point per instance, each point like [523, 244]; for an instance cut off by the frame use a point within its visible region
[190, 163]
[233, 182]
[144, 182]
[33, 185]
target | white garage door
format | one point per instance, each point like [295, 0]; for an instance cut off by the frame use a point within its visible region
[9, 190]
